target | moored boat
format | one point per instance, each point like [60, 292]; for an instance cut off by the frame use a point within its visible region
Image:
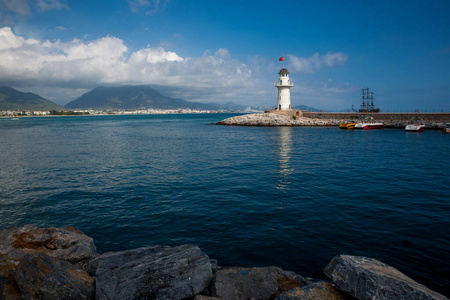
[447, 127]
[350, 125]
[368, 125]
[414, 127]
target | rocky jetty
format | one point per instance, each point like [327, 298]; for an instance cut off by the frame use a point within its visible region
[62, 263]
[272, 119]
[323, 119]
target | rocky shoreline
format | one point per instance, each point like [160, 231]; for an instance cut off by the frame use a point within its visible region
[278, 119]
[62, 263]
[270, 119]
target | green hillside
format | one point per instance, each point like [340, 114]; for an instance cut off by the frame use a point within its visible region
[132, 97]
[11, 99]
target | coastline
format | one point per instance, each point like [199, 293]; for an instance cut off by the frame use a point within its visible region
[432, 121]
[28, 113]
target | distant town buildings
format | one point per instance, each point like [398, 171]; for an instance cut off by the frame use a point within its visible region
[13, 113]
[147, 111]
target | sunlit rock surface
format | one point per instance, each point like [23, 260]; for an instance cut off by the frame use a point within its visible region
[43, 277]
[368, 278]
[271, 119]
[158, 272]
[66, 243]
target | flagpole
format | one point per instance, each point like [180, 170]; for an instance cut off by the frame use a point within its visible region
[282, 59]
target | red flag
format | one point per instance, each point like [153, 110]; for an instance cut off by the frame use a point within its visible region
[281, 58]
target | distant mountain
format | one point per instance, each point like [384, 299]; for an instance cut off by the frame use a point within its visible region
[11, 99]
[307, 108]
[133, 97]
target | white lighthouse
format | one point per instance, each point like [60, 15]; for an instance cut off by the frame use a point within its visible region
[284, 90]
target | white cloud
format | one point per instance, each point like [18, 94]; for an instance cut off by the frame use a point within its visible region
[62, 71]
[79, 64]
[315, 62]
[327, 94]
[153, 55]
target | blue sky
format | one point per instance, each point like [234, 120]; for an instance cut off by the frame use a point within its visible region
[221, 51]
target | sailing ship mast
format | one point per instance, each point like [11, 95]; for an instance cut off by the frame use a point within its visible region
[367, 102]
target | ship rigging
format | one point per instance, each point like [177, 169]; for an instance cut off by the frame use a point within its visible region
[367, 102]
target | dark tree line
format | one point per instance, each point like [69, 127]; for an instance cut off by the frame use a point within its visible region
[67, 113]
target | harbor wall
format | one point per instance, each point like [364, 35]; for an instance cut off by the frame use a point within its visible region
[289, 113]
[308, 118]
[383, 117]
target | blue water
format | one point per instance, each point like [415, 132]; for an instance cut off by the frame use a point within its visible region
[248, 196]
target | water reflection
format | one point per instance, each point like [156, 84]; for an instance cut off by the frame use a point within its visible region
[284, 153]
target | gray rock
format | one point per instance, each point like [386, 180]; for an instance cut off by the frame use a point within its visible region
[42, 277]
[201, 297]
[368, 278]
[315, 291]
[9, 290]
[67, 243]
[273, 119]
[214, 265]
[158, 272]
[253, 283]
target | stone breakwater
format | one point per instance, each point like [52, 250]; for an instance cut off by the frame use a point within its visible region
[62, 263]
[272, 119]
[431, 121]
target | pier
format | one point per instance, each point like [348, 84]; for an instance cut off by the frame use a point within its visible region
[307, 118]
[390, 120]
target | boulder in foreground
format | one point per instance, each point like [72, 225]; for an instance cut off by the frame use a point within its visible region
[9, 289]
[66, 243]
[254, 283]
[159, 272]
[368, 278]
[315, 291]
[43, 277]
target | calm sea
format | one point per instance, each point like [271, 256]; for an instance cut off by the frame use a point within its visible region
[248, 196]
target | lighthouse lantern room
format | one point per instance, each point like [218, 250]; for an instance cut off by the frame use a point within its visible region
[284, 94]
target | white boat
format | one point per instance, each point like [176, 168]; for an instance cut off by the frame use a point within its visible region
[415, 127]
[368, 125]
[446, 127]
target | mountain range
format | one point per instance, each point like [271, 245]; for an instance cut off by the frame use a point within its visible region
[133, 97]
[307, 108]
[11, 99]
[114, 97]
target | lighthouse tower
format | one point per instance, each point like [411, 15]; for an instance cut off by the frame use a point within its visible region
[284, 90]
